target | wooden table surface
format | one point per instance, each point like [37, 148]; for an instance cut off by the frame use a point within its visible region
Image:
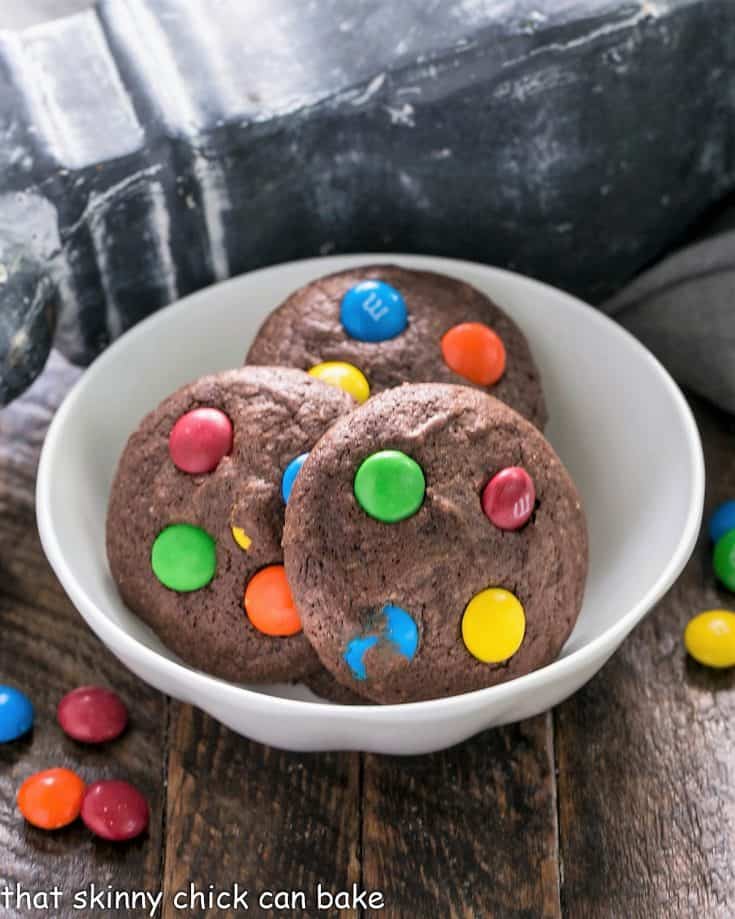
[619, 803]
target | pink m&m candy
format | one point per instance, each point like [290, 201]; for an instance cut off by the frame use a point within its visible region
[199, 440]
[508, 498]
[92, 714]
[115, 810]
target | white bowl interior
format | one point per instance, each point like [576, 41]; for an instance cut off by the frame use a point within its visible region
[617, 421]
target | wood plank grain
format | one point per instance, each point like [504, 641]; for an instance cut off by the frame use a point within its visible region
[468, 832]
[646, 756]
[46, 650]
[239, 812]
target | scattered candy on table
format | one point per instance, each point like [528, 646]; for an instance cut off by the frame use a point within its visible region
[724, 559]
[184, 557]
[92, 714]
[114, 810]
[16, 714]
[51, 799]
[373, 311]
[289, 476]
[200, 439]
[722, 520]
[473, 351]
[493, 625]
[345, 376]
[710, 638]
[508, 498]
[269, 604]
[390, 486]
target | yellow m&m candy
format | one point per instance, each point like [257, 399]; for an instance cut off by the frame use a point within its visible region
[241, 538]
[710, 638]
[344, 375]
[493, 625]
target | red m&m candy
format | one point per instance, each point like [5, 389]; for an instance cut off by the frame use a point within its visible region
[509, 497]
[115, 810]
[200, 439]
[92, 714]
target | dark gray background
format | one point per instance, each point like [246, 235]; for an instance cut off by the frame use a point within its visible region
[682, 309]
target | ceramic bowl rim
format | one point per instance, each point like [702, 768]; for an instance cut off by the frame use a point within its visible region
[599, 647]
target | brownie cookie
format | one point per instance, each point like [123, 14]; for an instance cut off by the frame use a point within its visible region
[373, 328]
[434, 544]
[323, 684]
[196, 514]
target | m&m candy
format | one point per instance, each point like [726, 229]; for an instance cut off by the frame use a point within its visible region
[473, 351]
[199, 440]
[493, 625]
[115, 810]
[241, 538]
[355, 652]
[508, 498]
[394, 628]
[390, 486]
[710, 638]
[289, 476]
[51, 799]
[724, 559]
[373, 311]
[16, 714]
[269, 604]
[184, 557]
[722, 520]
[92, 714]
[344, 375]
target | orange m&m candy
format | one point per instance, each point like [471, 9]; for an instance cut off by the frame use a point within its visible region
[269, 604]
[475, 352]
[51, 799]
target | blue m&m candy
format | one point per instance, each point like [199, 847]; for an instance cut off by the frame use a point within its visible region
[722, 521]
[393, 627]
[373, 311]
[289, 476]
[16, 714]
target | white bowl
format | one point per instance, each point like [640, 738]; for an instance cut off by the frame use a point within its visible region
[618, 421]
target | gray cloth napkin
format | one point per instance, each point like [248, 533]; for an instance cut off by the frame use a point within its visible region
[683, 310]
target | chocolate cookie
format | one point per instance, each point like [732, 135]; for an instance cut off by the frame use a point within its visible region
[323, 684]
[373, 328]
[434, 544]
[196, 514]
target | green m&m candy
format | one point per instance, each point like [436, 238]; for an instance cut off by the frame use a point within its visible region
[184, 557]
[725, 559]
[390, 486]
